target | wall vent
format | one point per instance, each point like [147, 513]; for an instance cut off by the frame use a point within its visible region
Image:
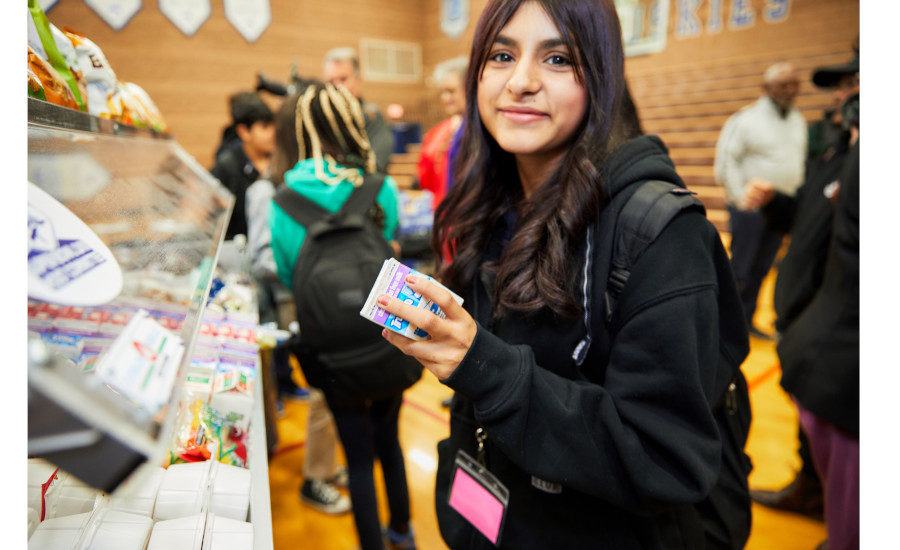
[389, 61]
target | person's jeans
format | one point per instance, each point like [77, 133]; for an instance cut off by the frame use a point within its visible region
[753, 250]
[365, 432]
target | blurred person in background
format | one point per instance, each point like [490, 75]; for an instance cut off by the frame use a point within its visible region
[817, 303]
[321, 474]
[764, 141]
[243, 160]
[433, 167]
[341, 67]
[334, 158]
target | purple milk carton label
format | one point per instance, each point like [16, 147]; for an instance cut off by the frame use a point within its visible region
[392, 281]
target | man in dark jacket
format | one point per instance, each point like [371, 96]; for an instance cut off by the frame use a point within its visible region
[817, 302]
[241, 161]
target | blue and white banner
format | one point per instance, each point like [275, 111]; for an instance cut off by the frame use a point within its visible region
[454, 17]
[116, 13]
[187, 15]
[249, 17]
[644, 25]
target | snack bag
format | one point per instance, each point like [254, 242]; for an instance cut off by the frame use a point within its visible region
[35, 88]
[43, 44]
[52, 86]
[204, 433]
[100, 79]
[123, 106]
[67, 50]
[154, 116]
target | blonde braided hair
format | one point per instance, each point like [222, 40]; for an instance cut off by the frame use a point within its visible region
[346, 134]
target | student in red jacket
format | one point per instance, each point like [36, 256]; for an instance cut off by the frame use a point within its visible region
[434, 160]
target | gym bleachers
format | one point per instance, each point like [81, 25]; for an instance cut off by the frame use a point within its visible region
[686, 106]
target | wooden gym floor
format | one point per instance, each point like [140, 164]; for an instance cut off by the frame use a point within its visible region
[423, 422]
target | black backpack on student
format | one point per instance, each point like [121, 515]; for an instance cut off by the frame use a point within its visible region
[339, 351]
[725, 513]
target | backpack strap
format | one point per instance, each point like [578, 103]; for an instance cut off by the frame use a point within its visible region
[304, 211]
[363, 197]
[317, 219]
[643, 217]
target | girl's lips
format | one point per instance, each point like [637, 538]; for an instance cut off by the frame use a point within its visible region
[522, 116]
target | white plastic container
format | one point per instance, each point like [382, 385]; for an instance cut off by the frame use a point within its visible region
[117, 530]
[230, 491]
[69, 496]
[183, 490]
[58, 533]
[227, 534]
[138, 494]
[178, 534]
[39, 472]
[34, 519]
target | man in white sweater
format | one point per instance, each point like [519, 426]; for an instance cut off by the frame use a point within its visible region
[764, 141]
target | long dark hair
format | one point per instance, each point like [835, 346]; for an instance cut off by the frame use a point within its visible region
[535, 269]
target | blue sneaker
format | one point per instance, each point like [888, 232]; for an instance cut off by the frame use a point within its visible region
[296, 393]
[397, 541]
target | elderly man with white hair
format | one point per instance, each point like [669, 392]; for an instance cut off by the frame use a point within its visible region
[764, 141]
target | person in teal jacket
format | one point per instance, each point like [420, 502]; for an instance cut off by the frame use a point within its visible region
[288, 235]
[325, 126]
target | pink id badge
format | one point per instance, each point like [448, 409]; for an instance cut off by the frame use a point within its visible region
[479, 497]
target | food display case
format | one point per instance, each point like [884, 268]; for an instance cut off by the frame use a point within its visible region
[99, 408]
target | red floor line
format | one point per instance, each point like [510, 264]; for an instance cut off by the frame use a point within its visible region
[762, 377]
[427, 411]
[289, 448]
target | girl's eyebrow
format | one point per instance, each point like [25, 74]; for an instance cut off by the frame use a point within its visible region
[544, 44]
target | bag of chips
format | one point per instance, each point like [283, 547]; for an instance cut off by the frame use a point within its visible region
[42, 44]
[100, 79]
[52, 86]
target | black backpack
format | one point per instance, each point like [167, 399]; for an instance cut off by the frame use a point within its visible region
[339, 351]
[725, 513]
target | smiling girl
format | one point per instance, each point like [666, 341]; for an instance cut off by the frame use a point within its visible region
[571, 429]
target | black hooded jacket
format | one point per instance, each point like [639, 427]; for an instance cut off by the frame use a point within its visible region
[621, 451]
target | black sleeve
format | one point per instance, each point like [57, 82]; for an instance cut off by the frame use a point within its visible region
[647, 436]
[779, 213]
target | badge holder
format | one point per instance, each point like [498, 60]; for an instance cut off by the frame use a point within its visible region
[477, 495]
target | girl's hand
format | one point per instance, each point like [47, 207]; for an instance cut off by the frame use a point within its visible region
[450, 337]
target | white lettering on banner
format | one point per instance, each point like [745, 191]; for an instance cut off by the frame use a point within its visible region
[249, 17]
[186, 15]
[776, 11]
[742, 15]
[116, 13]
[714, 24]
[688, 23]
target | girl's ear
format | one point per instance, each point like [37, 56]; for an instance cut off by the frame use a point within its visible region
[242, 132]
